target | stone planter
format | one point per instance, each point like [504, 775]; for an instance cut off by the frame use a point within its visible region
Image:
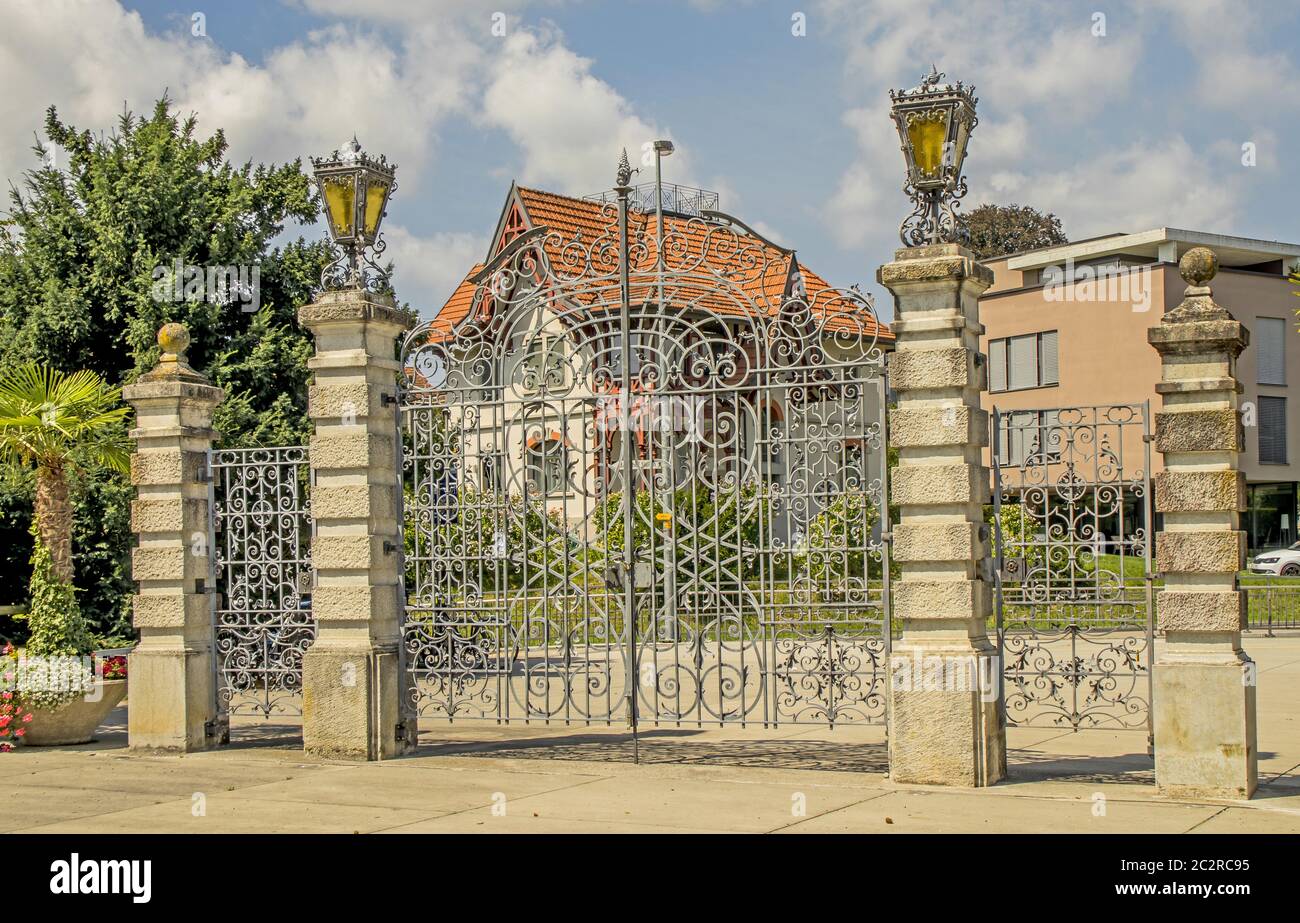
[73, 722]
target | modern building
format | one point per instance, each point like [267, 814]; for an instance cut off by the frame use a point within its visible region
[1066, 327]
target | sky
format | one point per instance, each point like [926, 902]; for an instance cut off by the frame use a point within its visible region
[1115, 116]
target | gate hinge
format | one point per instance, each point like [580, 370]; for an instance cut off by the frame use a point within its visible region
[387, 400]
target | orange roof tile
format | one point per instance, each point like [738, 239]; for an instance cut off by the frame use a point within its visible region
[761, 271]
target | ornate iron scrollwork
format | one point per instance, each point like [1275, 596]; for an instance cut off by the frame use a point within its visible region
[741, 434]
[1072, 510]
[262, 557]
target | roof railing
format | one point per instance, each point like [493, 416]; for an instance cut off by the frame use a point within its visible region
[678, 200]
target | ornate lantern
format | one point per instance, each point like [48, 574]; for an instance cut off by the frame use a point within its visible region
[934, 123]
[355, 189]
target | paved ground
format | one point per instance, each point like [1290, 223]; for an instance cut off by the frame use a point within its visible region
[490, 779]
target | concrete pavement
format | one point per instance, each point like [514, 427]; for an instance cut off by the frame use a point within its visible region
[491, 779]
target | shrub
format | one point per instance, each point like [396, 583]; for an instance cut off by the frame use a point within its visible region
[55, 622]
[835, 550]
[52, 671]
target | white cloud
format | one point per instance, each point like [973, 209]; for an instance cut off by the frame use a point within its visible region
[1146, 185]
[567, 123]
[83, 57]
[1065, 123]
[92, 59]
[392, 73]
[1234, 71]
[428, 269]
[1029, 51]
[868, 196]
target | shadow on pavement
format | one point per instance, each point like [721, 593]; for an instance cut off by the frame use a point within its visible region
[671, 746]
[1129, 768]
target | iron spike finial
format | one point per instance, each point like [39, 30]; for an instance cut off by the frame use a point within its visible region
[624, 170]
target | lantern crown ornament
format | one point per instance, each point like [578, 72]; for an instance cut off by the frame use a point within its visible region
[355, 189]
[934, 120]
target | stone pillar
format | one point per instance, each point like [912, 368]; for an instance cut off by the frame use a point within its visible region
[1204, 706]
[173, 697]
[945, 721]
[354, 701]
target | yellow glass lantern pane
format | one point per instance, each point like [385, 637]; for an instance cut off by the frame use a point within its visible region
[340, 203]
[376, 194]
[926, 133]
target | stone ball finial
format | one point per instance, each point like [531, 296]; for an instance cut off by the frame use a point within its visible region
[174, 339]
[1198, 266]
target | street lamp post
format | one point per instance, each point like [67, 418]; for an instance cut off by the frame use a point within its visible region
[934, 121]
[662, 149]
[355, 189]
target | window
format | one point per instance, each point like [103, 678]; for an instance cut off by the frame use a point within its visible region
[1270, 338]
[492, 471]
[1029, 437]
[1029, 361]
[1269, 520]
[1272, 430]
[544, 362]
[548, 467]
[641, 344]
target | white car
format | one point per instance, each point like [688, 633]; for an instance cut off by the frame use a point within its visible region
[1284, 562]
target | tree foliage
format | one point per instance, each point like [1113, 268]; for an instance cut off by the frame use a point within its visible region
[836, 552]
[88, 235]
[56, 423]
[996, 230]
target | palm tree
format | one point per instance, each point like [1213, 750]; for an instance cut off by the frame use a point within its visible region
[55, 422]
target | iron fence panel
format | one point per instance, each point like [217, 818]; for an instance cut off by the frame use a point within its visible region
[1072, 526]
[261, 537]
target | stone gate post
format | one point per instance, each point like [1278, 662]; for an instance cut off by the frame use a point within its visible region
[945, 719]
[173, 697]
[1204, 706]
[353, 693]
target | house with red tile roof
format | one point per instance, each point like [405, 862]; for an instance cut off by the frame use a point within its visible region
[740, 358]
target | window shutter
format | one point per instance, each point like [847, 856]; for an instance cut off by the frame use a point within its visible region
[997, 365]
[1272, 430]
[1050, 374]
[1023, 367]
[1270, 338]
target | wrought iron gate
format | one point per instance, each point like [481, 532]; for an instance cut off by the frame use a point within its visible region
[645, 483]
[1072, 522]
[261, 540]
